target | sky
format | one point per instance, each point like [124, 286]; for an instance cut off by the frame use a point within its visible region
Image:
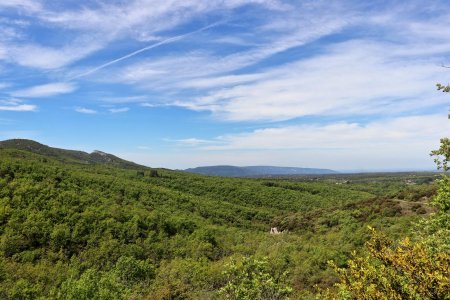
[346, 85]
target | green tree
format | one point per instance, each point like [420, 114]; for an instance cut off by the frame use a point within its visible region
[93, 285]
[442, 155]
[252, 279]
[130, 270]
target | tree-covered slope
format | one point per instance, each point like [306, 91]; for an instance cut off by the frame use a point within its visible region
[99, 231]
[66, 155]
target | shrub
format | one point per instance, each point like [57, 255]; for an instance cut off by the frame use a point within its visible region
[252, 279]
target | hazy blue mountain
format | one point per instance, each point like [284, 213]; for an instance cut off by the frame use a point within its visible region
[233, 171]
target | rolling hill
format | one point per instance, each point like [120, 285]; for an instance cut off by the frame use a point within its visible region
[75, 225]
[96, 157]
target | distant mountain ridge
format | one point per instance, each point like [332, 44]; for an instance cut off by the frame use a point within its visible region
[99, 157]
[96, 157]
[234, 171]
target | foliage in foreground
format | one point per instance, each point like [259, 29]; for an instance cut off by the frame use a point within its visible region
[418, 269]
[406, 271]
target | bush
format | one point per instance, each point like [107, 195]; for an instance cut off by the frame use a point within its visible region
[405, 271]
[252, 280]
[93, 285]
[129, 269]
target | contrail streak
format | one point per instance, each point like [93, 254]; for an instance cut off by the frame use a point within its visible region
[166, 41]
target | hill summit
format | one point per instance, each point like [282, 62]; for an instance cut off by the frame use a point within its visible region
[96, 157]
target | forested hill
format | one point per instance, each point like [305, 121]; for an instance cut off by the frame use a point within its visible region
[257, 171]
[71, 230]
[96, 157]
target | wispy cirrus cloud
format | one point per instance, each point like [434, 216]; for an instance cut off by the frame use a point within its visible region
[390, 71]
[47, 58]
[182, 72]
[139, 51]
[91, 27]
[25, 5]
[149, 105]
[45, 90]
[16, 105]
[118, 110]
[122, 100]
[193, 142]
[355, 77]
[84, 110]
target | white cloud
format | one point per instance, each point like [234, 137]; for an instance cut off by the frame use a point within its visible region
[46, 90]
[135, 17]
[122, 100]
[18, 107]
[394, 144]
[192, 142]
[221, 81]
[44, 57]
[141, 50]
[27, 5]
[84, 110]
[13, 104]
[175, 71]
[90, 27]
[391, 74]
[118, 110]
[8, 33]
[402, 132]
[356, 77]
[150, 105]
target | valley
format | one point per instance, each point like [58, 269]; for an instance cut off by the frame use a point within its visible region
[71, 227]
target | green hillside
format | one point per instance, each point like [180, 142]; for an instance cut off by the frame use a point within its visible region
[73, 156]
[76, 227]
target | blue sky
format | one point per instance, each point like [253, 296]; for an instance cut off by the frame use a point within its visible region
[348, 85]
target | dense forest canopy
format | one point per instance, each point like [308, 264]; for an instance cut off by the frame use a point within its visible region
[71, 230]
